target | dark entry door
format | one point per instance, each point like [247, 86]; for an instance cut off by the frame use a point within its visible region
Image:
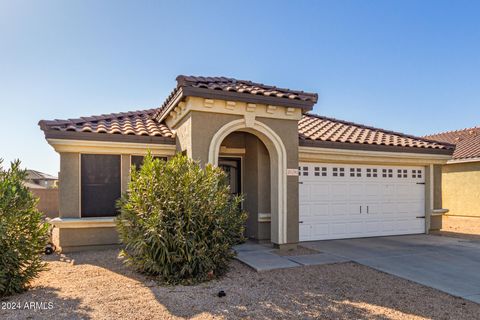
[232, 167]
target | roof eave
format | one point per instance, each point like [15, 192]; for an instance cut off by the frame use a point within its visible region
[71, 135]
[372, 147]
[463, 160]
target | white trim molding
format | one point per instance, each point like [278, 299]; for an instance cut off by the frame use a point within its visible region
[307, 154]
[278, 169]
[75, 223]
[454, 161]
[108, 147]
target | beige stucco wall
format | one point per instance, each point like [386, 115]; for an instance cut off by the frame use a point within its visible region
[125, 174]
[255, 180]
[195, 133]
[78, 239]
[461, 196]
[256, 186]
[75, 239]
[69, 185]
[437, 188]
[288, 132]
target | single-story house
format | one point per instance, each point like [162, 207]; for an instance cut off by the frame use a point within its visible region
[305, 177]
[39, 180]
[460, 181]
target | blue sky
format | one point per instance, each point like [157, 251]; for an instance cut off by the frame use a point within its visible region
[410, 66]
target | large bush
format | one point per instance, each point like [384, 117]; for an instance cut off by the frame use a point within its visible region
[23, 235]
[179, 221]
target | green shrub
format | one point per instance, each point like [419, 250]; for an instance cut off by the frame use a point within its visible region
[23, 235]
[179, 221]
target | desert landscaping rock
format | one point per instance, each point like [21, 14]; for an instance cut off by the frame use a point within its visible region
[99, 286]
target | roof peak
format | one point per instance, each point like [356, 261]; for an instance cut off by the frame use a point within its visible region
[184, 79]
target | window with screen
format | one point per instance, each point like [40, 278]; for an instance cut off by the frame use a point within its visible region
[100, 185]
[138, 160]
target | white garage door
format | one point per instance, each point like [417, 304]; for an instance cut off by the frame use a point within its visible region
[349, 201]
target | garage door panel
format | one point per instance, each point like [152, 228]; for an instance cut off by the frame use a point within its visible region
[388, 192]
[372, 190]
[304, 192]
[339, 191]
[305, 232]
[356, 228]
[320, 230]
[330, 207]
[356, 191]
[339, 209]
[354, 209]
[319, 192]
[320, 210]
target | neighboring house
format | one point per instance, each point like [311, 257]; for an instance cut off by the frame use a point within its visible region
[305, 177]
[44, 187]
[40, 180]
[461, 181]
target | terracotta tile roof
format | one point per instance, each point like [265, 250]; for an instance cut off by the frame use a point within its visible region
[319, 130]
[137, 123]
[313, 130]
[244, 86]
[466, 141]
[232, 85]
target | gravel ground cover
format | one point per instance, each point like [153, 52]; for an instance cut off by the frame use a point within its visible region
[96, 285]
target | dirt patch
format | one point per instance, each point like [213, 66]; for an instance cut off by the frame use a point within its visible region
[98, 286]
[299, 251]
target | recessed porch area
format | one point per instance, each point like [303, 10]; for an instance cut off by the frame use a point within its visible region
[246, 161]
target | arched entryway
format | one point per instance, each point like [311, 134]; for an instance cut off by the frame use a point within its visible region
[277, 163]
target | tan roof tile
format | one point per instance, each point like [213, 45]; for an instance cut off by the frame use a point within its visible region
[466, 141]
[313, 130]
[137, 123]
[234, 85]
[318, 130]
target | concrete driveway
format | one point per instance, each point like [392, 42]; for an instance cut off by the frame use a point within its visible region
[448, 264]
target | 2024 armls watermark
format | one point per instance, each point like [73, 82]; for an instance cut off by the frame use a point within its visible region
[27, 305]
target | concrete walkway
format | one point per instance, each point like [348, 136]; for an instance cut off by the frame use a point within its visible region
[448, 264]
[451, 265]
[262, 257]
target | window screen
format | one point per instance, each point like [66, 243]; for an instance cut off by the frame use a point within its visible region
[100, 178]
[138, 160]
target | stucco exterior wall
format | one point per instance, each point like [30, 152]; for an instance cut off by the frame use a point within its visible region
[125, 174]
[437, 187]
[69, 185]
[288, 132]
[461, 196]
[250, 186]
[195, 133]
[255, 180]
[73, 239]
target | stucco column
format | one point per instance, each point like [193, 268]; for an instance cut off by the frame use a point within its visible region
[69, 185]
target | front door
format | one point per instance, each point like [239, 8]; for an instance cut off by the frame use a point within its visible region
[232, 167]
